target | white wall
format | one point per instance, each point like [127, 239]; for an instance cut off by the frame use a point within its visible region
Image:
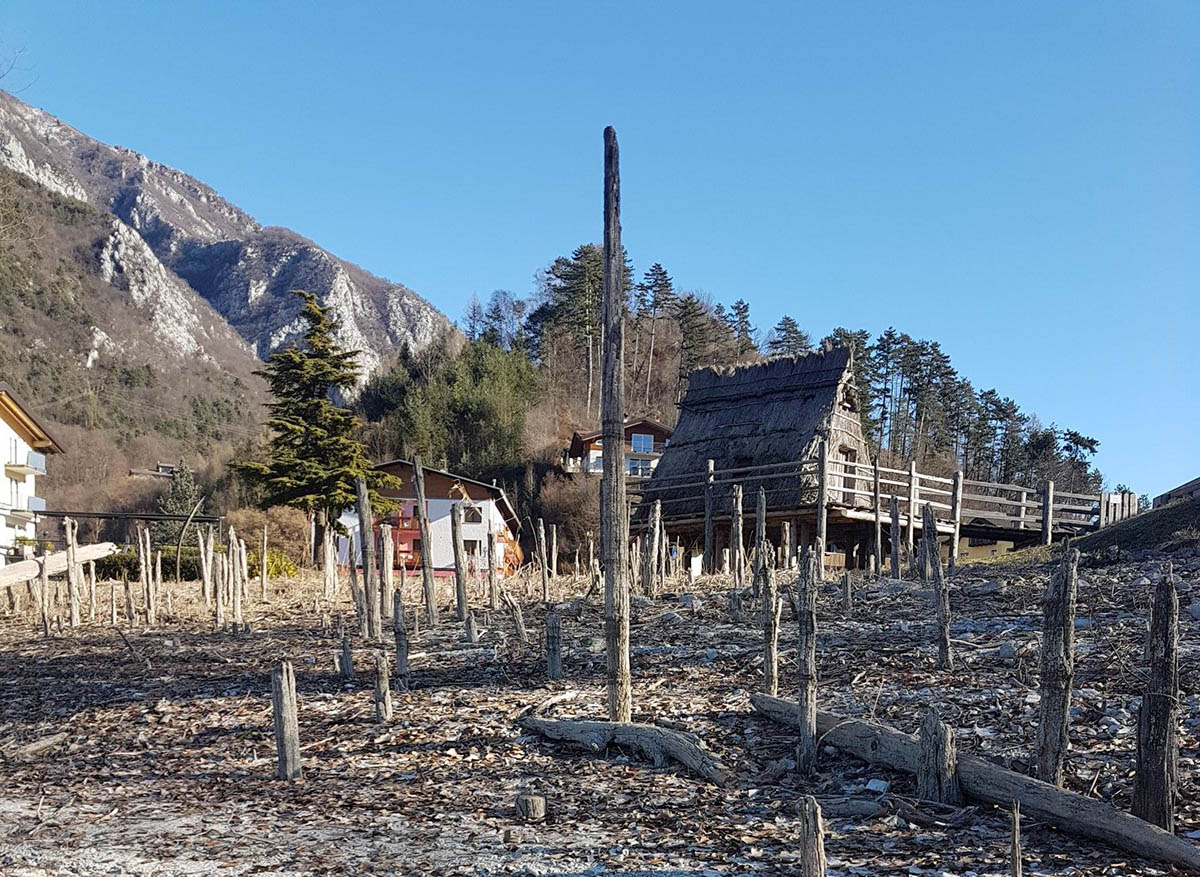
[15, 490]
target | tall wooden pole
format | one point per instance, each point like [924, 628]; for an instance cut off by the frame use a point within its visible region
[760, 540]
[914, 491]
[710, 545]
[956, 492]
[1156, 782]
[493, 585]
[460, 562]
[1048, 513]
[614, 547]
[822, 500]
[366, 532]
[1058, 668]
[878, 521]
[430, 586]
[896, 573]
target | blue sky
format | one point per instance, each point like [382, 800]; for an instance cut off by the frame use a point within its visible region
[1018, 181]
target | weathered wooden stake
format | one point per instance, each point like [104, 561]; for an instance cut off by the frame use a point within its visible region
[112, 602]
[44, 591]
[400, 633]
[897, 573]
[518, 616]
[737, 550]
[531, 808]
[493, 583]
[650, 549]
[956, 492]
[366, 532]
[1057, 668]
[1048, 513]
[710, 543]
[941, 593]
[1156, 782]
[287, 725]
[554, 662]
[543, 565]
[760, 541]
[806, 665]
[772, 610]
[877, 502]
[460, 563]
[383, 690]
[1016, 868]
[614, 543]
[822, 507]
[73, 584]
[387, 564]
[811, 834]
[470, 628]
[914, 490]
[847, 594]
[937, 769]
[553, 551]
[427, 580]
[346, 661]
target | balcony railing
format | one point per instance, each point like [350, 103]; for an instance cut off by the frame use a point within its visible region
[35, 504]
[33, 463]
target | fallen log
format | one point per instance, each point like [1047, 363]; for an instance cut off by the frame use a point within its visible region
[657, 744]
[983, 781]
[56, 563]
[36, 749]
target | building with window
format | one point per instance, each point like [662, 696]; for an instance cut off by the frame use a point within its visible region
[486, 509]
[645, 441]
[25, 446]
[1191, 490]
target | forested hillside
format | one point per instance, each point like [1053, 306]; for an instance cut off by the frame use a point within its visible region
[529, 374]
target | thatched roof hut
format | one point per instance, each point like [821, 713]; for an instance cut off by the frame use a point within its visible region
[751, 415]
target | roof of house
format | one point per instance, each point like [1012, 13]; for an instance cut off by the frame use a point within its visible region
[506, 507]
[773, 411]
[595, 434]
[20, 417]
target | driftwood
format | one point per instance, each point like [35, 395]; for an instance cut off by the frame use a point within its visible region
[983, 781]
[657, 744]
[36, 749]
[27, 570]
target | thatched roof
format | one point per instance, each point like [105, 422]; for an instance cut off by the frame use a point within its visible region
[773, 411]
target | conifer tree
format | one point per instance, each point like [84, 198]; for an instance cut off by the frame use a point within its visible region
[743, 331]
[313, 457]
[180, 499]
[788, 339]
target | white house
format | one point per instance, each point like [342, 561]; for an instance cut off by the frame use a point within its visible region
[24, 444]
[486, 508]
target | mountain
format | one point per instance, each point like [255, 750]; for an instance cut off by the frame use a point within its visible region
[244, 270]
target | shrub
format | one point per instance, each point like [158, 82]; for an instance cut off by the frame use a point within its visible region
[287, 531]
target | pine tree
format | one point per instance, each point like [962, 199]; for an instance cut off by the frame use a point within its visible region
[695, 337]
[743, 331]
[313, 457]
[180, 499]
[659, 289]
[788, 339]
[474, 320]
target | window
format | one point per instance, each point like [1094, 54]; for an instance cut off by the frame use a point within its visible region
[639, 468]
[979, 542]
[471, 547]
[472, 514]
[642, 444]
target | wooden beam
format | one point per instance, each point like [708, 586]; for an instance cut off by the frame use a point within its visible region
[56, 564]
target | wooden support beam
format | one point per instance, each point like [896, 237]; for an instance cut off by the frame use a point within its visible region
[1048, 513]
[822, 507]
[955, 518]
[897, 573]
[914, 490]
[710, 544]
[877, 504]
[989, 783]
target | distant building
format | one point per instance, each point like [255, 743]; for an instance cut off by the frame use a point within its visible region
[645, 441]
[25, 446]
[1191, 490]
[486, 508]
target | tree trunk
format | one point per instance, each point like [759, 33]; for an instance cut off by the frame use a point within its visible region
[614, 527]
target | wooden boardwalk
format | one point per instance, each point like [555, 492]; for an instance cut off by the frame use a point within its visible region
[849, 504]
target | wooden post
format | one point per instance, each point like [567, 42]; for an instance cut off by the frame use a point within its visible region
[531, 808]
[878, 505]
[1102, 512]
[44, 593]
[1021, 509]
[956, 492]
[614, 528]
[650, 550]
[1016, 868]
[897, 573]
[400, 632]
[937, 768]
[493, 584]
[345, 660]
[847, 594]
[112, 602]
[366, 531]
[772, 609]
[1048, 513]
[554, 665]
[914, 492]
[737, 550]
[811, 832]
[235, 590]
[287, 725]
[460, 562]
[262, 567]
[429, 585]
[471, 629]
[543, 565]
[941, 594]
[329, 560]
[518, 616]
[806, 666]
[785, 545]
[1156, 782]
[760, 541]
[91, 574]
[1057, 668]
[73, 584]
[710, 543]
[822, 507]
[387, 565]
[553, 551]
[383, 690]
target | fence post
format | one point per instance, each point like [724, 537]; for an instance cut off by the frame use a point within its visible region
[955, 517]
[1021, 510]
[878, 522]
[1156, 782]
[710, 560]
[287, 730]
[1048, 513]
[896, 573]
[913, 497]
[822, 499]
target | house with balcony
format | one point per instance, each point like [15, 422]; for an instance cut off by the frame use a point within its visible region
[24, 443]
[645, 441]
[485, 507]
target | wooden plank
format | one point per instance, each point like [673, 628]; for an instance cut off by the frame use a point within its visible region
[56, 563]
